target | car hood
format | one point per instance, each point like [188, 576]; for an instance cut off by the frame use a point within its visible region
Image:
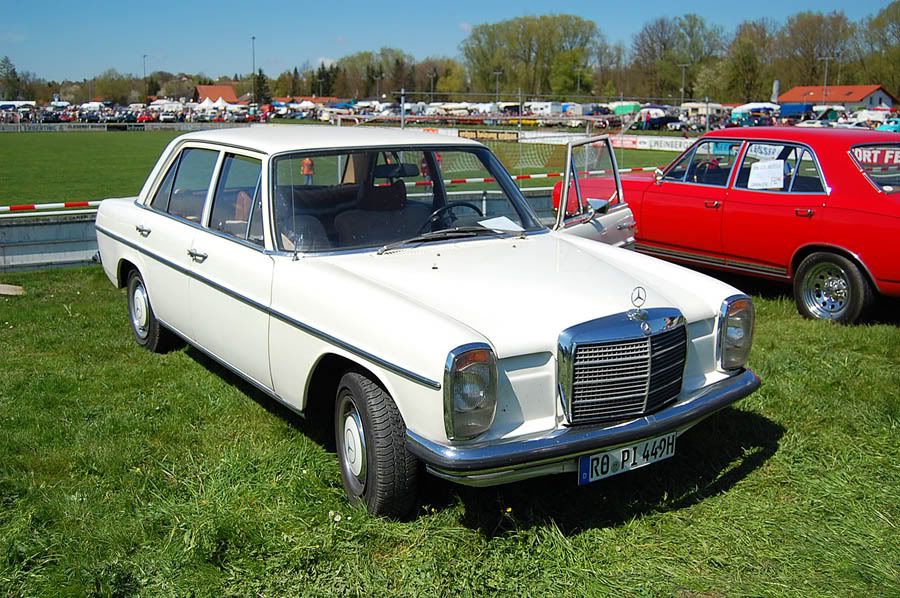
[521, 293]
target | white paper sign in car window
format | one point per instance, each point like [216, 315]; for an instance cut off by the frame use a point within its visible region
[766, 175]
[501, 223]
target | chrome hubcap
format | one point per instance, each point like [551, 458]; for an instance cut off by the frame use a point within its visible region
[826, 291]
[140, 310]
[354, 444]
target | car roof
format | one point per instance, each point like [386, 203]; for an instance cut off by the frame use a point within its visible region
[810, 136]
[272, 139]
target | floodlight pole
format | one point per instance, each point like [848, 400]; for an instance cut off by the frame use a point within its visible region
[825, 82]
[253, 71]
[683, 66]
[432, 76]
[402, 107]
[497, 83]
[146, 87]
[378, 86]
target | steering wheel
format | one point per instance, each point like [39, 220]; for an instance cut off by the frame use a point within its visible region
[706, 165]
[434, 215]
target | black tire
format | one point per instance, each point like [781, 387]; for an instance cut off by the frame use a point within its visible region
[147, 330]
[383, 475]
[828, 286]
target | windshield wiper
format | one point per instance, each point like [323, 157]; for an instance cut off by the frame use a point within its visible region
[459, 232]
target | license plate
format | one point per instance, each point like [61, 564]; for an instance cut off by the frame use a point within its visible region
[625, 458]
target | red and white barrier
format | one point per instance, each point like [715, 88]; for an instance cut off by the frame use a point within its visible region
[32, 207]
[524, 177]
[36, 207]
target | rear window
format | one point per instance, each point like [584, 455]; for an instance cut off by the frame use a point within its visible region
[881, 163]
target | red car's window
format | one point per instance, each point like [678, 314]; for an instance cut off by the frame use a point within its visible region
[881, 164]
[779, 167]
[710, 163]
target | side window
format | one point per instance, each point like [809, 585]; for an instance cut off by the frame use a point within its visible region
[711, 163]
[677, 172]
[807, 178]
[236, 203]
[192, 181]
[160, 201]
[767, 166]
[778, 167]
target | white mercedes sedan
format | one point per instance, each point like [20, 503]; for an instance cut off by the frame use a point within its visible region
[342, 272]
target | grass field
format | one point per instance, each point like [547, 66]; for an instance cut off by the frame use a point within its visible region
[124, 472]
[127, 473]
[81, 166]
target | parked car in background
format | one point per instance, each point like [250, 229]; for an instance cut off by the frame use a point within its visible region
[817, 207]
[891, 125]
[338, 271]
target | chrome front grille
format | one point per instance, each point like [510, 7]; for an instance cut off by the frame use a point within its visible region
[608, 380]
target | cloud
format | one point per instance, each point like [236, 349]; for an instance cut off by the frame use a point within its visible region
[465, 27]
[325, 60]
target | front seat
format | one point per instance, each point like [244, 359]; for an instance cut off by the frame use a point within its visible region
[381, 217]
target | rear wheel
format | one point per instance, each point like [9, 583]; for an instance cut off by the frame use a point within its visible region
[147, 330]
[376, 468]
[828, 286]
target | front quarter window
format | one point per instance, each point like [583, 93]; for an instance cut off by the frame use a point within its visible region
[880, 164]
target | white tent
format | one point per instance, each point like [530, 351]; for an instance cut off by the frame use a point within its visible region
[306, 105]
[206, 104]
[754, 106]
[220, 103]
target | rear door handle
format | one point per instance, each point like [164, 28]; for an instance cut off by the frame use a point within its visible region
[712, 204]
[625, 225]
[142, 230]
[197, 256]
[804, 212]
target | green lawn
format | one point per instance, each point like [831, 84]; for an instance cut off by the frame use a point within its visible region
[124, 472]
[80, 166]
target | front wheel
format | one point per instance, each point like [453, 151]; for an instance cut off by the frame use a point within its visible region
[376, 468]
[828, 286]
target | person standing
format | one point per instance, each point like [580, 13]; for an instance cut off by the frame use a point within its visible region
[308, 170]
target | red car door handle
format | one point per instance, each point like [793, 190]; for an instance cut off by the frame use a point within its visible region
[804, 212]
[712, 204]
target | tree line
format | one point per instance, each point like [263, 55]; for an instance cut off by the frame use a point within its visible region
[560, 56]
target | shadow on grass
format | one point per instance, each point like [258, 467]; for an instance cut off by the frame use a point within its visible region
[710, 459]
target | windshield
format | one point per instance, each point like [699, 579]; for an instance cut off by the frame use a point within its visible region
[376, 197]
[881, 163]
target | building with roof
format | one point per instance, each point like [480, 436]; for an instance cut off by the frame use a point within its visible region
[214, 92]
[849, 96]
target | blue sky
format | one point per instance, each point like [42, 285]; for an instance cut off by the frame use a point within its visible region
[78, 39]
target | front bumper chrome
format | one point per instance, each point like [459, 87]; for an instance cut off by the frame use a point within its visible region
[504, 461]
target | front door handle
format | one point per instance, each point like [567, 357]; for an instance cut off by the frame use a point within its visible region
[197, 256]
[142, 230]
[626, 225]
[804, 212]
[712, 204]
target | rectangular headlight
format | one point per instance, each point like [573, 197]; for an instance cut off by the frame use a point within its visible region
[735, 327]
[470, 391]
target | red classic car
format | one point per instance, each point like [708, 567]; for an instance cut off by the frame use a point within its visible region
[820, 208]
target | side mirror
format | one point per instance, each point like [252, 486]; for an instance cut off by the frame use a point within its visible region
[658, 175]
[598, 206]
